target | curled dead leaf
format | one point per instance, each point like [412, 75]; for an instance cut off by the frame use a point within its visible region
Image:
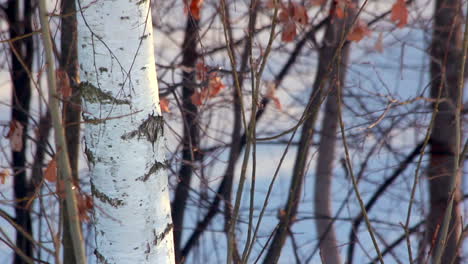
[300, 14]
[15, 135]
[283, 16]
[50, 173]
[85, 205]
[289, 32]
[198, 98]
[400, 13]
[340, 7]
[164, 104]
[359, 31]
[194, 8]
[215, 86]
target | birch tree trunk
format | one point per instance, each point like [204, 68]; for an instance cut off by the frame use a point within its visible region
[124, 132]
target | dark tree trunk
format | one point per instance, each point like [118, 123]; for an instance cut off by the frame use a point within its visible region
[71, 110]
[20, 23]
[326, 150]
[190, 139]
[445, 65]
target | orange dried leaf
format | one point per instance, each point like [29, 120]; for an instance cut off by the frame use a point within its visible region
[400, 13]
[300, 14]
[50, 172]
[359, 31]
[283, 16]
[164, 103]
[289, 32]
[15, 135]
[338, 9]
[85, 204]
[215, 86]
[340, 6]
[195, 7]
[3, 175]
[339, 12]
[196, 98]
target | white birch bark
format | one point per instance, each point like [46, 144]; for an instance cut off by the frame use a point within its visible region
[124, 132]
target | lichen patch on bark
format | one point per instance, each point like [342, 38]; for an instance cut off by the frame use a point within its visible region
[93, 94]
[100, 258]
[160, 237]
[90, 156]
[150, 128]
[104, 198]
[154, 168]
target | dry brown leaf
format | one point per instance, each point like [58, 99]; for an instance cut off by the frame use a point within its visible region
[215, 86]
[85, 204]
[289, 32]
[196, 98]
[283, 16]
[400, 13]
[15, 135]
[360, 30]
[164, 103]
[300, 14]
[50, 172]
[195, 8]
[340, 7]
